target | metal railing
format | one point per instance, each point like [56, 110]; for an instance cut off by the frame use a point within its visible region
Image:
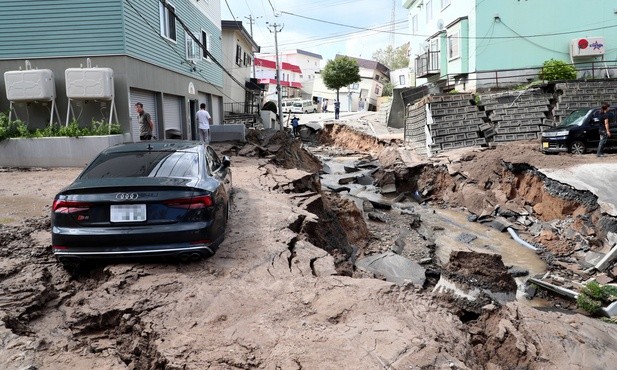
[427, 64]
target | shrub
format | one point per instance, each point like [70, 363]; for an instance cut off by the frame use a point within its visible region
[557, 70]
[20, 129]
[594, 295]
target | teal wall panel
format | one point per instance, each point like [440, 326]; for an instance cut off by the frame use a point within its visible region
[35, 28]
[529, 32]
[144, 40]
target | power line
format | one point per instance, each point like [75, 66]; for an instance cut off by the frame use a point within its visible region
[462, 37]
[172, 47]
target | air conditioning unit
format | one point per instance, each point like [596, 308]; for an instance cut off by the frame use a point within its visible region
[587, 47]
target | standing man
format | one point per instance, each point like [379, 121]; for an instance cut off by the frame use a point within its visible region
[204, 119]
[337, 108]
[295, 122]
[604, 129]
[145, 123]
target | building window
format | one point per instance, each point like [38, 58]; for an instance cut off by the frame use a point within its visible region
[414, 24]
[192, 49]
[376, 90]
[168, 21]
[238, 55]
[205, 41]
[453, 46]
[444, 3]
[401, 80]
[355, 86]
[429, 10]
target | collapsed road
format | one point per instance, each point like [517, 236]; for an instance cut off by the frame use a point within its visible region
[285, 290]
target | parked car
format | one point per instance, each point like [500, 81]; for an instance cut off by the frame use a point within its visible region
[151, 198]
[578, 133]
[304, 106]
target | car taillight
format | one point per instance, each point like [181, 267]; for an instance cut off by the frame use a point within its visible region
[203, 201]
[68, 206]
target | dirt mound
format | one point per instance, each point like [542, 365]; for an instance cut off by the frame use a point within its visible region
[481, 270]
[343, 136]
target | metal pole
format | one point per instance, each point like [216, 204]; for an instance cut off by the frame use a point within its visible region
[278, 74]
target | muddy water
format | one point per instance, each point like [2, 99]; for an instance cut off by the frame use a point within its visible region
[449, 227]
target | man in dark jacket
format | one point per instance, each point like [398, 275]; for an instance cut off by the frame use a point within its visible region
[604, 129]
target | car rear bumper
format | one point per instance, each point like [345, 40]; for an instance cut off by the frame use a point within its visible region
[162, 240]
[84, 253]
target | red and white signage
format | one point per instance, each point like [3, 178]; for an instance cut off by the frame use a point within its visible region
[587, 46]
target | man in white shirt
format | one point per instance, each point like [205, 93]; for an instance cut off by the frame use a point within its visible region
[204, 119]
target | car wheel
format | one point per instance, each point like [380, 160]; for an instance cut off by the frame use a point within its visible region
[305, 112]
[314, 110]
[577, 147]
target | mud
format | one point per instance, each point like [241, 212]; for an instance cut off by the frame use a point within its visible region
[273, 297]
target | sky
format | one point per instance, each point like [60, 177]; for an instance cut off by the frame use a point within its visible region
[316, 36]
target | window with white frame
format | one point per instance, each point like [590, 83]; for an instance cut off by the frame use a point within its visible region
[168, 21]
[454, 46]
[429, 10]
[444, 3]
[414, 24]
[192, 49]
[401, 80]
[205, 41]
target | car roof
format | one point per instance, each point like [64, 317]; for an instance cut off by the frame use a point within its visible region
[156, 145]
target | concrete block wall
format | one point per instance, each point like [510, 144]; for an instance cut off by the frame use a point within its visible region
[449, 121]
[583, 94]
[514, 115]
[415, 127]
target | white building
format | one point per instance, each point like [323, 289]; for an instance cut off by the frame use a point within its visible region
[265, 72]
[402, 77]
[361, 95]
[309, 63]
[239, 47]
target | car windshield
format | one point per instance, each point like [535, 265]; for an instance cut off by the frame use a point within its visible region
[575, 118]
[144, 164]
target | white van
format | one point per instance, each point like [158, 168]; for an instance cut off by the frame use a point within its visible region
[286, 105]
[304, 106]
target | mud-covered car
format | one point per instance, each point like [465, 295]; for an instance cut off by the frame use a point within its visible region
[578, 133]
[150, 198]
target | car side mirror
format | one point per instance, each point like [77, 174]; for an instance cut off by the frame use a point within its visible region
[226, 162]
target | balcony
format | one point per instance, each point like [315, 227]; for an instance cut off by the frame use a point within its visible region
[427, 64]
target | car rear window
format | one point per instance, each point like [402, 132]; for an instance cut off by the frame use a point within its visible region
[143, 164]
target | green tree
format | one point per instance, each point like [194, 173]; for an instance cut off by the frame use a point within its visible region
[340, 72]
[553, 70]
[393, 58]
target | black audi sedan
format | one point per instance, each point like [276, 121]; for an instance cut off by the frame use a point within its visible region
[578, 133]
[151, 198]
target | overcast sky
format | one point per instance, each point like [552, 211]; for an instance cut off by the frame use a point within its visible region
[319, 37]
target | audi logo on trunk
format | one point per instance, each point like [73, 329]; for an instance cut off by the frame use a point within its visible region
[127, 196]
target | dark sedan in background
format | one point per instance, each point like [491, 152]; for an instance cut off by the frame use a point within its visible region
[150, 198]
[578, 133]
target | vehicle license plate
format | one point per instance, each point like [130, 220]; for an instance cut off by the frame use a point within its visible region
[545, 145]
[128, 213]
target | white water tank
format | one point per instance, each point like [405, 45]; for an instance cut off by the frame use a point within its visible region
[90, 83]
[30, 85]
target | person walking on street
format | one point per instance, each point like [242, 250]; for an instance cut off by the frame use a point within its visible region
[324, 108]
[204, 119]
[337, 108]
[604, 129]
[145, 123]
[294, 124]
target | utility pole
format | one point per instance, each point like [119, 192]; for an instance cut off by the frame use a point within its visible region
[251, 21]
[276, 28]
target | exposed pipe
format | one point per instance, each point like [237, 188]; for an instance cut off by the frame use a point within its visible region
[520, 241]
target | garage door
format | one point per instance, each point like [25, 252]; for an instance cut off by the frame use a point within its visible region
[172, 114]
[148, 99]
